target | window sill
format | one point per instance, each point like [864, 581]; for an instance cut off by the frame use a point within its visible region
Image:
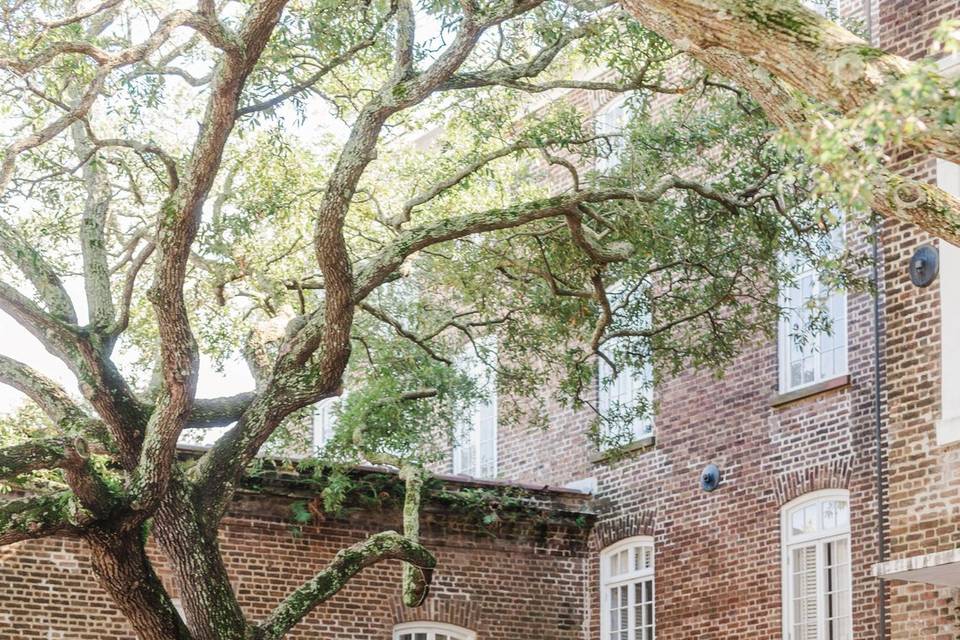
[781, 399]
[643, 444]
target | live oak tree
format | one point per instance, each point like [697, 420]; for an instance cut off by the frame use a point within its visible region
[852, 107]
[350, 194]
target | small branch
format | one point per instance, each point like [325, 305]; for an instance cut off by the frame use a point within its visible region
[80, 15]
[386, 318]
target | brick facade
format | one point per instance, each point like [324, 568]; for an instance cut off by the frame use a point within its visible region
[522, 580]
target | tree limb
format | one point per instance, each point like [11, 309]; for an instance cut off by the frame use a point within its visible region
[776, 50]
[38, 271]
[177, 227]
[388, 545]
[41, 516]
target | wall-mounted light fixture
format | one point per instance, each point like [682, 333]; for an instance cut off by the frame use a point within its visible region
[710, 477]
[924, 266]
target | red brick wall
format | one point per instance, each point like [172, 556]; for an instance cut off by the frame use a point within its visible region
[524, 583]
[924, 479]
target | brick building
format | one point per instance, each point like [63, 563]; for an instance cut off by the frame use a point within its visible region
[837, 515]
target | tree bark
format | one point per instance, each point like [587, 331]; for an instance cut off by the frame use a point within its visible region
[124, 570]
[190, 542]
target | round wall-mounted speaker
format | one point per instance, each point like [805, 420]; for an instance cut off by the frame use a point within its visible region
[710, 477]
[924, 266]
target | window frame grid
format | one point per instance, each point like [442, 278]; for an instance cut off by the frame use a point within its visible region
[635, 581]
[818, 540]
[785, 336]
[470, 438]
[451, 631]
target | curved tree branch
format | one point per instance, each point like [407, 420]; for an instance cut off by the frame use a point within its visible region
[388, 545]
[41, 516]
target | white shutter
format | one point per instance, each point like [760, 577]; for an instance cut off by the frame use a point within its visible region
[804, 593]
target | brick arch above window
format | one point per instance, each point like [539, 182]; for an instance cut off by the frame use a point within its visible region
[828, 475]
[459, 613]
[608, 532]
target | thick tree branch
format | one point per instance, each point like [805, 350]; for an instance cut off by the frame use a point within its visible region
[810, 53]
[779, 50]
[41, 516]
[51, 453]
[378, 268]
[388, 545]
[177, 227]
[52, 399]
[38, 271]
[72, 455]
[210, 413]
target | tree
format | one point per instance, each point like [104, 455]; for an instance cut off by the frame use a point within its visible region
[265, 163]
[847, 102]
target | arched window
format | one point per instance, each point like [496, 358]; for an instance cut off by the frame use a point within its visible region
[431, 631]
[626, 590]
[816, 567]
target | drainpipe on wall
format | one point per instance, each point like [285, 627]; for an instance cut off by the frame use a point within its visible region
[877, 403]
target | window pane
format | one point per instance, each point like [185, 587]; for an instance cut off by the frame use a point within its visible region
[836, 572]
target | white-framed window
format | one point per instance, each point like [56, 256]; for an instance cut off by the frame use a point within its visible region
[823, 7]
[324, 421]
[621, 395]
[431, 631]
[475, 448]
[612, 119]
[626, 590]
[619, 392]
[806, 357]
[815, 530]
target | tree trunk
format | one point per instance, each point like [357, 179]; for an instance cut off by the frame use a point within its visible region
[124, 570]
[190, 543]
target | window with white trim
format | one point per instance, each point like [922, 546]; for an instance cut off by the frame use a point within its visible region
[431, 631]
[619, 392]
[612, 120]
[806, 357]
[823, 7]
[626, 590]
[816, 567]
[324, 421]
[475, 448]
[621, 395]
[948, 428]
